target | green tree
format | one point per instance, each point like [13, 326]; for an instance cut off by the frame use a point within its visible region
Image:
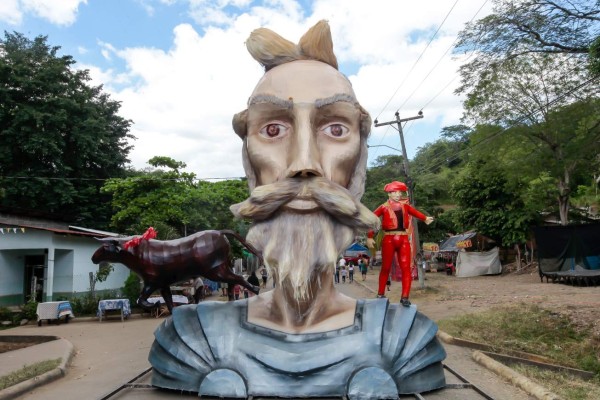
[157, 197]
[59, 137]
[172, 202]
[436, 164]
[211, 202]
[549, 104]
[520, 28]
[490, 203]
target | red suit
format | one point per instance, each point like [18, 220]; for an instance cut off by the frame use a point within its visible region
[395, 241]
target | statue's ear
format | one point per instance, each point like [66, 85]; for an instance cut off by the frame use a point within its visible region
[365, 122]
[240, 124]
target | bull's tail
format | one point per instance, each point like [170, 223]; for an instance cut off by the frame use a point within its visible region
[247, 245]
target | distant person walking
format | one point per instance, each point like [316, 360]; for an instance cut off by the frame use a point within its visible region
[344, 273]
[253, 280]
[362, 266]
[341, 264]
[351, 272]
[264, 276]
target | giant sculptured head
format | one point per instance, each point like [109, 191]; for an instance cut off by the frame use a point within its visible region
[303, 118]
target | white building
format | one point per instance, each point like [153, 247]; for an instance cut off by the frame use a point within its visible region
[50, 259]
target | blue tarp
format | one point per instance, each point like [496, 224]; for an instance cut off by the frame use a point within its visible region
[356, 249]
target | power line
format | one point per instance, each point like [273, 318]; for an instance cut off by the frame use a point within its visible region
[439, 61]
[444, 157]
[417, 61]
[501, 130]
[434, 67]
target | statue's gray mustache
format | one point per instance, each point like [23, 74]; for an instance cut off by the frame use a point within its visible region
[265, 200]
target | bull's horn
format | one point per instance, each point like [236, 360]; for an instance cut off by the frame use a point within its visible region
[105, 239]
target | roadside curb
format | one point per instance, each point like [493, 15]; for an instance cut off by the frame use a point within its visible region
[17, 390]
[518, 380]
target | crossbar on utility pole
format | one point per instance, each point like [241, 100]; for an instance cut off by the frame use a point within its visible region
[398, 121]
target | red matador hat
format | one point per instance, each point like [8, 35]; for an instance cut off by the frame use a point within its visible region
[396, 187]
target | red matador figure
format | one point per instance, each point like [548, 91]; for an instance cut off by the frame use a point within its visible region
[396, 223]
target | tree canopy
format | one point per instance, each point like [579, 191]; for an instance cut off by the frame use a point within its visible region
[172, 201]
[519, 28]
[532, 78]
[60, 138]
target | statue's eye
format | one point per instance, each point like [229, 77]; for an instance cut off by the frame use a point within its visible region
[274, 130]
[336, 130]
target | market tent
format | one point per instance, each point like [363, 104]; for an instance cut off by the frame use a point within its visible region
[355, 250]
[478, 263]
[457, 242]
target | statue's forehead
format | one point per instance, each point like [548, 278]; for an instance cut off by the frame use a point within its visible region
[303, 81]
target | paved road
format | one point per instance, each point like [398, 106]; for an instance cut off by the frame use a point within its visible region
[111, 352]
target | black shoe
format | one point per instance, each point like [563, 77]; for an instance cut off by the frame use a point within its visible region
[405, 302]
[381, 296]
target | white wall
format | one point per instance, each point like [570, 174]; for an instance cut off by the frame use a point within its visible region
[63, 271]
[12, 265]
[72, 261]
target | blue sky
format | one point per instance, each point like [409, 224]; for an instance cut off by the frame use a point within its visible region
[181, 70]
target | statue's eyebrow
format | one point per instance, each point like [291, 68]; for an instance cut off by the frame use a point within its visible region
[268, 98]
[336, 98]
[289, 103]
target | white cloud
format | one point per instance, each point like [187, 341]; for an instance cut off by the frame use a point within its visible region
[185, 98]
[182, 99]
[59, 12]
[10, 12]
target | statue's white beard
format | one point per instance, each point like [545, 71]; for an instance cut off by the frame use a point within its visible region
[298, 248]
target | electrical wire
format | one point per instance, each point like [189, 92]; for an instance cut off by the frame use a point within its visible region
[497, 133]
[432, 69]
[417, 61]
[439, 61]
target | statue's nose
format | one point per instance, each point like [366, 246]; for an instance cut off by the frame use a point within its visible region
[305, 155]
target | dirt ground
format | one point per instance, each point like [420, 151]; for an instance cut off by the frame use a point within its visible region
[445, 296]
[8, 346]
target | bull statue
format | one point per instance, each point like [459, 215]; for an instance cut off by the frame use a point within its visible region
[162, 263]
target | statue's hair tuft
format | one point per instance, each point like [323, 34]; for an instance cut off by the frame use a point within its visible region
[316, 44]
[271, 49]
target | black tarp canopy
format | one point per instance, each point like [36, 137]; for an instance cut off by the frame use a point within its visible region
[569, 253]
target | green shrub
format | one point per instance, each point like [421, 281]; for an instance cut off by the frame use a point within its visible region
[131, 288]
[84, 305]
[5, 314]
[29, 310]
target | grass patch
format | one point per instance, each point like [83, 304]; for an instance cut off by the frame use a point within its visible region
[531, 329]
[28, 372]
[562, 384]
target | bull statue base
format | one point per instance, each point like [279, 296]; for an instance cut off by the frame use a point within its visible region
[162, 263]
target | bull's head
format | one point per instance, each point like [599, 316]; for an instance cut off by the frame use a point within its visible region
[109, 251]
